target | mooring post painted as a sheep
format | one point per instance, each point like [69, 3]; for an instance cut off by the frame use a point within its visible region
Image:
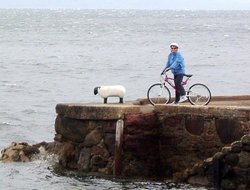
[110, 91]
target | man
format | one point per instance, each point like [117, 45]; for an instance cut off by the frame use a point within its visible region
[176, 64]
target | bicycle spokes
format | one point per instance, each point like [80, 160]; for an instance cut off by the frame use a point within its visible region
[160, 90]
[199, 94]
[158, 94]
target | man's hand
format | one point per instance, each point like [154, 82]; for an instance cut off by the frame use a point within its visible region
[164, 71]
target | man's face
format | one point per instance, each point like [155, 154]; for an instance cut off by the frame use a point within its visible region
[173, 49]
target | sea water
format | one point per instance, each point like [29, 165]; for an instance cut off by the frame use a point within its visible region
[58, 56]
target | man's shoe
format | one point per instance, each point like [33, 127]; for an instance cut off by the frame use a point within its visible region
[182, 99]
[174, 102]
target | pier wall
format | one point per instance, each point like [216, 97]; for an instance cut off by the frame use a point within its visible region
[189, 135]
[156, 141]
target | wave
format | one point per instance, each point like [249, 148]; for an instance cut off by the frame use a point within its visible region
[5, 124]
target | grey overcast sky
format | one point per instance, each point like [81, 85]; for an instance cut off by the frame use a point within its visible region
[129, 4]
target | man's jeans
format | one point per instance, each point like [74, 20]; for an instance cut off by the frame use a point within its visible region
[179, 91]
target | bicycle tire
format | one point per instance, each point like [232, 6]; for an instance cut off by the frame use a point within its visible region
[158, 94]
[199, 94]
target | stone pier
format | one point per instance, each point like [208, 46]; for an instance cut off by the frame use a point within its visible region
[156, 141]
[202, 145]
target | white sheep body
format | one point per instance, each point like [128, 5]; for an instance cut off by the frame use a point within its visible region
[111, 91]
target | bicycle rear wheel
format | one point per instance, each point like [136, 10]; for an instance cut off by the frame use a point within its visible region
[199, 94]
[158, 94]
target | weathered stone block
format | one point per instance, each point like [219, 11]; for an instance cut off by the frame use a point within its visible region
[146, 123]
[245, 140]
[199, 180]
[228, 184]
[137, 144]
[109, 141]
[93, 138]
[232, 159]
[98, 150]
[236, 146]
[244, 159]
[68, 156]
[83, 162]
[98, 161]
[71, 129]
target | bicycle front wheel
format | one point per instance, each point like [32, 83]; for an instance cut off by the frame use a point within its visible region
[158, 94]
[199, 94]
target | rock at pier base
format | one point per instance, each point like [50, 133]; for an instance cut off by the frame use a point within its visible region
[23, 152]
[227, 169]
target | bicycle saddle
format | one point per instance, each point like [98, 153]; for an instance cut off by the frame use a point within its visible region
[187, 75]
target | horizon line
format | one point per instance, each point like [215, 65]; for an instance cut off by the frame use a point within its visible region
[153, 9]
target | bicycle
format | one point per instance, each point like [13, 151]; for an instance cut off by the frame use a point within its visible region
[159, 93]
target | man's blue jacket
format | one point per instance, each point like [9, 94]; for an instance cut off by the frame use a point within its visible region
[176, 63]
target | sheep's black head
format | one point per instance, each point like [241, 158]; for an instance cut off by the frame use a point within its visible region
[96, 90]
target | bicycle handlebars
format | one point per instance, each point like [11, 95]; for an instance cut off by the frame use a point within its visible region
[164, 71]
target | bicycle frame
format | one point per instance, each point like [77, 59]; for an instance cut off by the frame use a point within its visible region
[170, 80]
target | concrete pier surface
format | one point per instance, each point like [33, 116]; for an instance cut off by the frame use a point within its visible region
[243, 100]
[240, 100]
[116, 111]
